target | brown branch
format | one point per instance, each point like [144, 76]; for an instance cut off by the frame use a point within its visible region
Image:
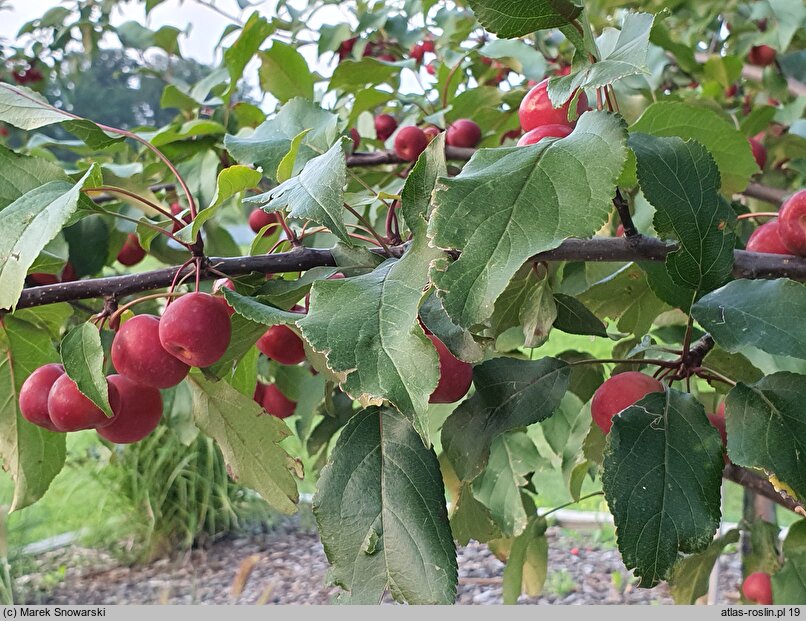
[760, 486]
[774, 196]
[623, 209]
[606, 249]
[379, 158]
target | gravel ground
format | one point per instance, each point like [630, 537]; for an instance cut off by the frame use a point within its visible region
[288, 566]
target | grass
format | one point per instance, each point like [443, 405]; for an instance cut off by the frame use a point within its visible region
[76, 499]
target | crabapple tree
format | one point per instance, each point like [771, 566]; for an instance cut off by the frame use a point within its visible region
[449, 247]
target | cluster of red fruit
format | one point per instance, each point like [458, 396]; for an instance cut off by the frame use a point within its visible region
[787, 233]
[540, 119]
[148, 353]
[411, 141]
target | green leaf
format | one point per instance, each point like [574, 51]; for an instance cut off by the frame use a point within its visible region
[574, 317]
[756, 313]
[566, 430]
[317, 193]
[419, 186]
[510, 393]
[585, 378]
[522, 57]
[256, 310]
[470, 519]
[515, 19]
[489, 211]
[23, 108]
[684, 55]
[625, 296]
[249, 440]
[766, 426]
[681, 181]
[32, 456]
[91, 135]
[662, 477]
[245, 334]
[269, 143]
[527, 565]
[765, 548]
[285, 169]
[252, 36]
[665, 288]
[527, 302]
[22, 173]
[622, 53]
[230, 182]
[735, 366]
[380, 507]
[133, 34]
[789, 583]
[690, 575]
[513, 456]
[28, 224]
[367, 328]
[757, 121]
[83, 360]
[789, 16]
[352, 74]
[458, 341]
[727, 145]
[88, 240]
[191, 129]
[284, 73]
[724, 70]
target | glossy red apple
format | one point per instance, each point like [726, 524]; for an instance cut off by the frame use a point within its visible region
[69, 273]
[276, 403]
[717, 419]
[137, 412]
[618, 393]
[259, 218]
[792, 223]
[355, 137]
[132, 252]
[463, 133]
[138, 354]
[759, 152]
[176, 209]
[410, 141]
[196, 329]
[455, 376]
[34, 395]
[385, 126]
[761, 55]
[70, 410]
[431, 132]
[537, 134]
[536, 108]
[39, 279]
[757, 587]
[766, 239]
[346, 48]
[282, 344]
